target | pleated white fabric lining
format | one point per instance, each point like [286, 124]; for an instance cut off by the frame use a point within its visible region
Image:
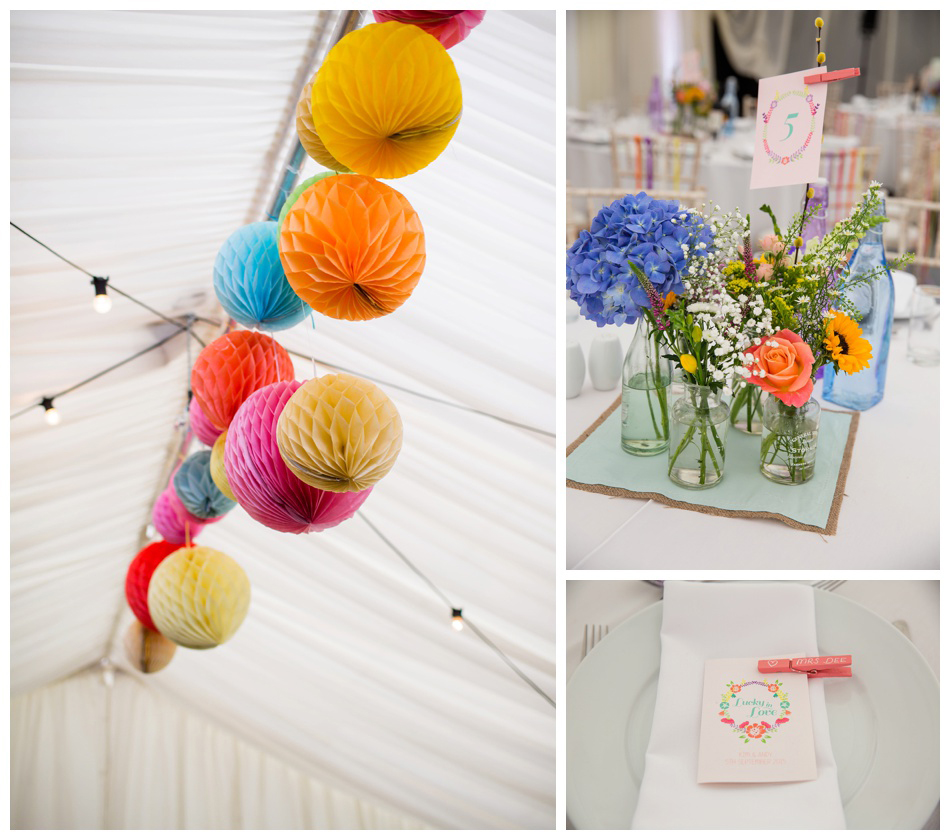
[169, 768]
[137, 144]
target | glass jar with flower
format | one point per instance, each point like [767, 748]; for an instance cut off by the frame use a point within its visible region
[783, 368]
[806, 292]
[705, 336]
[628, 269]
[644, 412]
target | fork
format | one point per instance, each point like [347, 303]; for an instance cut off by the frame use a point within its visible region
[828, 585]
[593, 633]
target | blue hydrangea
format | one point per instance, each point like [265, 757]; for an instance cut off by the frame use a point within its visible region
[638, 229]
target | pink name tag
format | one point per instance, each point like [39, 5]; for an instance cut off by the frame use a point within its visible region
[755, 727]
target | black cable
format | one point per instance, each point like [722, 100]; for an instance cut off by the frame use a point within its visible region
[507, 661]
[47, 247]
[109, 284]
[425, 396]
[299, 355]
[156, 312]
[109, 369]
[407, 561]
[450, 605]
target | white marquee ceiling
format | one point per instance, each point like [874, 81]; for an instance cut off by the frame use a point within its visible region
[139, 142]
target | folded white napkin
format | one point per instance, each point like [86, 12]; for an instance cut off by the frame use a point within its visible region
[720, 621]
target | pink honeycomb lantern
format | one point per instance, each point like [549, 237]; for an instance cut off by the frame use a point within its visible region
[261, 482]
[169, 519]
[449, 27]
[200, 424]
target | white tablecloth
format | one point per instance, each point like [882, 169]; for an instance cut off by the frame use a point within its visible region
[889, 517]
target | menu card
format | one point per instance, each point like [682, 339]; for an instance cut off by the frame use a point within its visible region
[754, 727]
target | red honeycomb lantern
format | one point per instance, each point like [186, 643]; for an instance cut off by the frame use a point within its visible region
[140, 573]
[233, 367]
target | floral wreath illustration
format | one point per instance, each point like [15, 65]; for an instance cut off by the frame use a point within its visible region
[775, 157]
[760, 731]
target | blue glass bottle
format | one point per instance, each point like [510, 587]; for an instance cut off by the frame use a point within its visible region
[875, 309]
[817, 225]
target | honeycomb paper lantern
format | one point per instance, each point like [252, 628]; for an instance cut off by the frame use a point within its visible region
[201, 425]
[292, 198]
[448, 27]
[387, 100]
[249, 280]
[218, 475]
[196, 489]
[172, 521]
[339, 433]
[147, 650]
[140, 573]
[198, 597]
[352, 247]
[311, 143]
[263, 484]
[234, 366]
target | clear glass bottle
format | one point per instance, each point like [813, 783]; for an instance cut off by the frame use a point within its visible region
[698, 423]
[644, 410]
[875, 306]
[789, 441]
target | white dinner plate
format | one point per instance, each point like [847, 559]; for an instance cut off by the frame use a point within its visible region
[884, 720]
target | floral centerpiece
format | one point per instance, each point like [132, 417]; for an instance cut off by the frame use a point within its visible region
[807, 294]
[650, 262]
[692, 99]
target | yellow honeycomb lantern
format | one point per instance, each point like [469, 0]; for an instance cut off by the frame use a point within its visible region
[218, 475]
[387, 100]
[339, 433]
[198, 597]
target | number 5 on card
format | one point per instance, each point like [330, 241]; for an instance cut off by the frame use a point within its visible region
[788, 127]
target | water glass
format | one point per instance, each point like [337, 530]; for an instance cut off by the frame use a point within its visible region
[923, 342]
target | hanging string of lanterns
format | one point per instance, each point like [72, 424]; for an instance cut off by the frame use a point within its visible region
[302, 457]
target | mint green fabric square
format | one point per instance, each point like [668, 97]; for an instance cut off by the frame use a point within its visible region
[599, 460]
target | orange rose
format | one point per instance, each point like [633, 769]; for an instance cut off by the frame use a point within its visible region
[783, 366]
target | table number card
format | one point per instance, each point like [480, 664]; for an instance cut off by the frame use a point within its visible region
[788, 127]
[754, 727]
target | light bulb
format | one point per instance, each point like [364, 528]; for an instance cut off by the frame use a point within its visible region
[52, 415]
[102, 304]
[457, 622]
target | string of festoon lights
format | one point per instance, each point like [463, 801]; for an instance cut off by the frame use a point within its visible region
[302, 457]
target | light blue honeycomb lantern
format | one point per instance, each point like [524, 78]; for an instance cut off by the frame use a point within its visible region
[250, 283]
[196, 489]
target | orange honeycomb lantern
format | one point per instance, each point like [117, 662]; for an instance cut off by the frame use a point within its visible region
[352, 248]
[233, 367]
[387, 100]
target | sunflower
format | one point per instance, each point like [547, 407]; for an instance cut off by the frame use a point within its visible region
[849, 351]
